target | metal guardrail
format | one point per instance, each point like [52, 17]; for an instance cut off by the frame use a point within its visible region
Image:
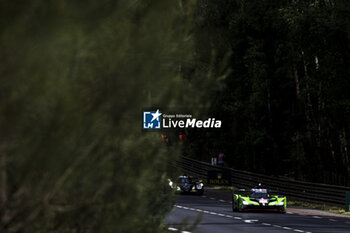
[304, 191]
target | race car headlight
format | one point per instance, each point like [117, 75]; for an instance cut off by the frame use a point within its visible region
[178, 188]
[199, 186]
[170, 183]
[281, 203]
[245, 203]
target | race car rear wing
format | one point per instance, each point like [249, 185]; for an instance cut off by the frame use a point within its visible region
[248, 192]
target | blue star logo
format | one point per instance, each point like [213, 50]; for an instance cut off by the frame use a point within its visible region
[152, 119]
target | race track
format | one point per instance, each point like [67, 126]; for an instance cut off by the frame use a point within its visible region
[217, 217]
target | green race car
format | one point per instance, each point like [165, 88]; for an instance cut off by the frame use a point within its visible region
[258, 199]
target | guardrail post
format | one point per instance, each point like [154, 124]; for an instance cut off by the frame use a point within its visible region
[347, 201]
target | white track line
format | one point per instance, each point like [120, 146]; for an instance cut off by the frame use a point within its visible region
[175, 229]
[278, 226]
[239, 218]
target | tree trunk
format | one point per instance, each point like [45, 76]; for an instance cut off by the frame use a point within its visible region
[296, 79]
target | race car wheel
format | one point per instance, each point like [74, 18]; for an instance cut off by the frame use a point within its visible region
[239, 209]
[200, 192]
[234, 207]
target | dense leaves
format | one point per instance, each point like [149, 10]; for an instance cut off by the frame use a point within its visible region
[74, 77]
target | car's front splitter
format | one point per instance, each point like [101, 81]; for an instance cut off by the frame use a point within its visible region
[262, 208]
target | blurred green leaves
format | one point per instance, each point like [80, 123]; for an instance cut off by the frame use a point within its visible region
[74, 77]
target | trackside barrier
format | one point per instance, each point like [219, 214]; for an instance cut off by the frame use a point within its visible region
[304, 191]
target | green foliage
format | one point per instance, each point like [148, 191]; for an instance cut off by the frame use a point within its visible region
[74, 79]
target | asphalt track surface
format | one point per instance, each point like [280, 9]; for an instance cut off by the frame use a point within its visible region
[216, 216]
